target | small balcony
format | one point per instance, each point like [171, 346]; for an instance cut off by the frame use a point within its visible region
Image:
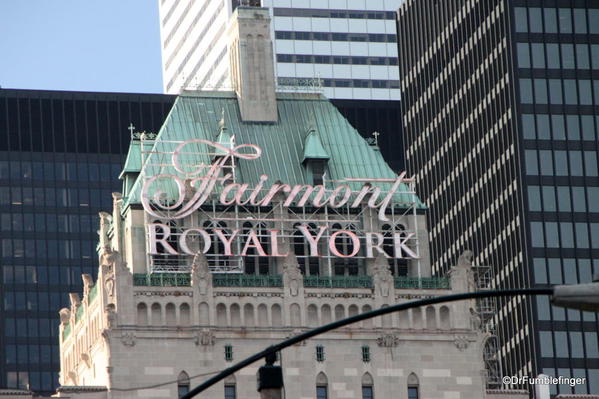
[247, 280]
[162, 280]
[276, 280]
[337, 281]
[424, 283]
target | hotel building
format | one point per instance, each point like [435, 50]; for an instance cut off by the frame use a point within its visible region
[243, 222]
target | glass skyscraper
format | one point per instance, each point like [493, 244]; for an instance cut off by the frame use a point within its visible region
[60, 157]
[557, 51]
[500, 107]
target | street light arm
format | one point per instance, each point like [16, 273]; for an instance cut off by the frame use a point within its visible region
[354, 319]
[578, 296]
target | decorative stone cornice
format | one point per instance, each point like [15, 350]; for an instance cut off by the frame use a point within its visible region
[128, 339]
[249, 294]
[163, 293]
[205, 338]
[78, 388]
[294, 333]
[461, 342]
[388, 341]
[344, 295]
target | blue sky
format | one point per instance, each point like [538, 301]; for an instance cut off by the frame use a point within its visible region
[86, 45]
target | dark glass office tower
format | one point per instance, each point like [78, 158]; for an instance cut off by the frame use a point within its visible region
[500, 102]
[60, 157]
[383, 117]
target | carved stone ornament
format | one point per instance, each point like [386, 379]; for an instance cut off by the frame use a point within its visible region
[85, 358]
[463, 271]
[88, 283]
[388, 341]
[65, 316]
[75, 300]
[461, 343]
[110, 315]
[475, 320]
[105, 223]
[200, 275]
[205, 338]
[292, 276]
[382, 277]
[110, 257]
[73, 377]
[294, 333]
[128, 339]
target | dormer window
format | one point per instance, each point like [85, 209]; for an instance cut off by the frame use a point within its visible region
[315, 157]
[318, 167]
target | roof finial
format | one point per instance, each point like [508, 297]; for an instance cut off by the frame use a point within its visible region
[131, 128]
[221, 123]
[376, 135]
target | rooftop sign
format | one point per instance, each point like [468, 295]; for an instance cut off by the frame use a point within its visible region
[199, 186]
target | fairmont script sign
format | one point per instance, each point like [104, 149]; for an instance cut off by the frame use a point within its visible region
[196, 184]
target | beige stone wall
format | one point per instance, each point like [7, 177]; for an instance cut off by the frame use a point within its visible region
[131, 336]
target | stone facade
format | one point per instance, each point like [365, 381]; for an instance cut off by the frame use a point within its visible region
[125, 333]
[252, 69]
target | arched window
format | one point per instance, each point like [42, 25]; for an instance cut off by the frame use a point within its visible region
[416, 318]
[253, 263]
[399, 267]
[248, 315]
[221, 314]
[312, 315]
[235, 315]
[308, 265]
[413, 387]
[182, 384]
[339, 312]
[322, 386]
[184, 315]
[444, 317]
[326, 314]
[346, 266]
[367, 386]
[142, 314]
[277, 315]
[171, 314]
[230, 387]
[217, 261]
[262, 315]
[368, 322]
[156, 314]
[431, 318]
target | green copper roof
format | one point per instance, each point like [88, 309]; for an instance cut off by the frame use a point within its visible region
[313, 148]
[225, 138]
[196, 115]
[134, 155]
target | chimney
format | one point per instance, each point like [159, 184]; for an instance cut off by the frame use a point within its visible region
[252, 64]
